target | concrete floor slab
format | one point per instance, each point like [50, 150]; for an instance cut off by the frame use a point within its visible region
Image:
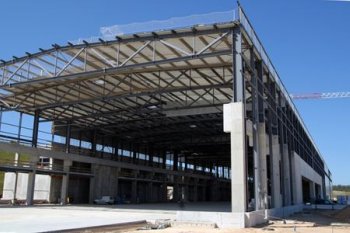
[39, 219]
[53, 218]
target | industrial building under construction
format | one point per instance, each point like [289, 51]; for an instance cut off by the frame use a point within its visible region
[192, 114]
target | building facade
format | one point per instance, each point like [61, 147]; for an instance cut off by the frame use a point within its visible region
[195, 114]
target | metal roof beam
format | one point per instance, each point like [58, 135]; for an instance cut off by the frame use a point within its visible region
[116, 70]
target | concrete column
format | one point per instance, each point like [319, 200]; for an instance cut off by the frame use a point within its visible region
[276, 192]
[263, 166]
[204, 192]
[115, 182]
[30, 188]
[234, 123]
[150, 192]
[186, 193]
[195, 190]
[65, 181]
[176, 192]
[31, 181]
[134, 192]
[312, 191]
[16, 177]
[17, 156]
[286, 170]
[294, 180]
[164, 192]
[91, 190]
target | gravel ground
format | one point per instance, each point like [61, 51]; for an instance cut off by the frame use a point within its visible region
[318, 221]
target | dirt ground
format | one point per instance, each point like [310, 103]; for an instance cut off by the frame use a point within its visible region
[314, 221]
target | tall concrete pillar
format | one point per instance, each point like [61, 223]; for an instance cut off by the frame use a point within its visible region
[150, 192]
[234, 123]
[31, 181]
[134, 196]
[134, 190]
[16, 177]
[195, 190]
[65, 181]
[276, 192]
[312, 190]
[286, 169]
[186, 193]
[30, 188]
[294, 181]
[176, 192]
[91, 190]
[204, 192]
[164, 192]
[263, 166]
[115, 184]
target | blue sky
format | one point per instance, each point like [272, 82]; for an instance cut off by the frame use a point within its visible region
[307, 40]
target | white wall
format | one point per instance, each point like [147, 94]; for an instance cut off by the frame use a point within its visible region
[41, 190]
[302, 169]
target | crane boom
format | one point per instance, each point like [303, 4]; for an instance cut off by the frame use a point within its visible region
[321, 95]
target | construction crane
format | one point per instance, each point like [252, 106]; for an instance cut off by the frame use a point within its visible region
[321, 95]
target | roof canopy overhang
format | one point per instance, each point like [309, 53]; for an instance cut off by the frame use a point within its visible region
[156, 87]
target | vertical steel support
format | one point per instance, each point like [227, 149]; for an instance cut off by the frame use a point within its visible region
[93, 143]
[19, 126]
[290, 156]
[134, 158]
[35, 128]
[56, 61]
[85, 58]
[281, 140]
[235, 123]
[28, 67]
[116, 149]
[175, 160]
[185, 161]
[238, 79]
[217, 169]
[68, 136]
[0, 117]
[3, 75]
[150, 155]
[164, 160]
[272, 155]
[255, 119]
[80, 138]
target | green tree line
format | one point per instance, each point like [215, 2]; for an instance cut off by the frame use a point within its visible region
[345, 188]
